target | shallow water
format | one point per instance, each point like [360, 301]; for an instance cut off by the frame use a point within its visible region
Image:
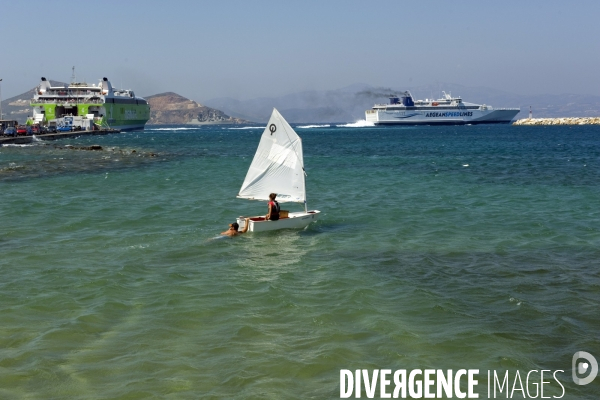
[437, 247]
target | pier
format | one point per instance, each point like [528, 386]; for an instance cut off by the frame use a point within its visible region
[559, 121]
[54, 136]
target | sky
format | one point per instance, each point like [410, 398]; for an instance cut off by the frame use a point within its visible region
[249, 49]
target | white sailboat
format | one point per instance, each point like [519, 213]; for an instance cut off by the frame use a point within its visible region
[277, 167]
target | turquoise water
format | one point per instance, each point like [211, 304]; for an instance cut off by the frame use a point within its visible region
[473, 247]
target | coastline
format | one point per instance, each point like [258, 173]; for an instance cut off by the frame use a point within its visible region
[213, 122]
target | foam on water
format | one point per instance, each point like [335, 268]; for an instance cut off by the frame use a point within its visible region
[358, 124]
[313, 126]
[17, 145]
[174, 129]
[241, 128]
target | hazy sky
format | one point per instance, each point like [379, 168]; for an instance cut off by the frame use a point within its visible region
[246, 49]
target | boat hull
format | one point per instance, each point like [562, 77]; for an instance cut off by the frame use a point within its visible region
[435, 117]
[295, 220]
[123, 128]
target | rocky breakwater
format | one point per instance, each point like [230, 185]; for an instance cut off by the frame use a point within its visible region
[559, 121]
[173, 109]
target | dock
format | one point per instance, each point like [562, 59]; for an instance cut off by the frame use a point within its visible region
[54, 136]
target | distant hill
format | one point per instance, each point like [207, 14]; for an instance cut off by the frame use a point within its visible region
[349, 104]
[171, 108]
[18, 107]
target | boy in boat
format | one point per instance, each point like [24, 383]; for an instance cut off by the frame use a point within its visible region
[233, 229]
[273, 214]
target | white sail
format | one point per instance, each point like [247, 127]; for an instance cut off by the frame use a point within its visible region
[278, 165]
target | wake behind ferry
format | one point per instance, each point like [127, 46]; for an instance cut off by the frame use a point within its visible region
[403, 110]
[88, 106]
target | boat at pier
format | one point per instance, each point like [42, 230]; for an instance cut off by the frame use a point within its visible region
[89, 106]
[403, 110]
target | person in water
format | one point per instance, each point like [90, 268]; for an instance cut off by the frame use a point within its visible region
[273, 214]
[233, 229]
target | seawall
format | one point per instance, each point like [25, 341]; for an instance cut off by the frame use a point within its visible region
[54, 136]
[559, 121]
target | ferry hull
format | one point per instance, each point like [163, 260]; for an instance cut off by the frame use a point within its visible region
[445, 117]
[295, 220]
[134, 127]
[124, 118]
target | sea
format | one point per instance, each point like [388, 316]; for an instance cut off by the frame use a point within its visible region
[438, 248]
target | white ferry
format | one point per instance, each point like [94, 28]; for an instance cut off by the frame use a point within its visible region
[403, 110]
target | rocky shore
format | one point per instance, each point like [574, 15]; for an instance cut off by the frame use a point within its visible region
[559, 121]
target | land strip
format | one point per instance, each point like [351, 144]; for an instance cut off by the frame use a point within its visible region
[559, 121]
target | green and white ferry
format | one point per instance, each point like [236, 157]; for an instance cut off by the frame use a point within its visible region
[88, 106]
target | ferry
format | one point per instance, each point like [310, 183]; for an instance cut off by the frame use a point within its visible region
[403, 110]
[89, 106]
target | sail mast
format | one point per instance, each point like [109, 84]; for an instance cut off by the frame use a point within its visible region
[304, 179]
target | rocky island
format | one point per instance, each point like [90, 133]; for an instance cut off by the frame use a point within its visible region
[172, 109]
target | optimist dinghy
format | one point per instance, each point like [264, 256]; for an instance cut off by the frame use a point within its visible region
[277, 167]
